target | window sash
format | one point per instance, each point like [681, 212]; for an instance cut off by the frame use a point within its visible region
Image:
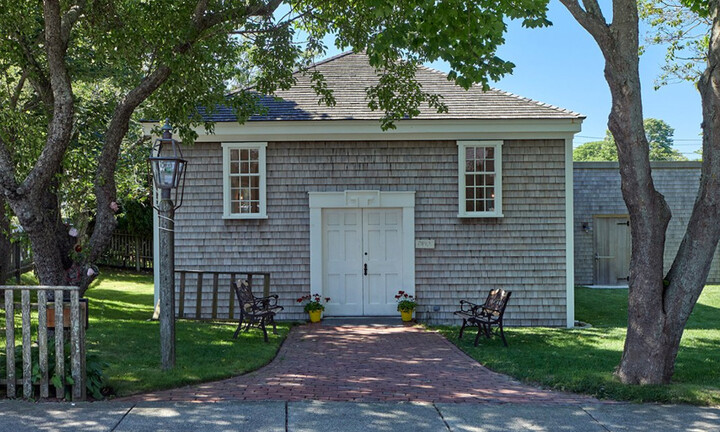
[480, 178]
[244, 194]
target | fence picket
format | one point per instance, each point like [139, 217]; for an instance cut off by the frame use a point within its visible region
[43, 343]
[26, 345]
[10, 342]
[59, 345]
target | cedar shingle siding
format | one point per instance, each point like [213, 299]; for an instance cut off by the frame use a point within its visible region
[524, 251]
[597, 192]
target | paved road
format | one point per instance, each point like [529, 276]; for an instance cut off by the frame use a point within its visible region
[359, 362]
[351, 417]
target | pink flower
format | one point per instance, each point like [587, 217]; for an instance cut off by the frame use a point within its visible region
[114, 206]
[327, 299]
[90, 272]
[401, 292]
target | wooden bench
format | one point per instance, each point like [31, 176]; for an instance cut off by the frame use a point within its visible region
[255, 311]
[486, 315]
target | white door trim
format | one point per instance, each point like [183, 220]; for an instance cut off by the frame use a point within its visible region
[362, 199]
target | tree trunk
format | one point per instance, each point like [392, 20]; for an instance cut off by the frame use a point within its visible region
[4, 242]
[649, 352]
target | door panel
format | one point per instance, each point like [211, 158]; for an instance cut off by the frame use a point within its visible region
[342, 256]
[612, 250]
[382, 234]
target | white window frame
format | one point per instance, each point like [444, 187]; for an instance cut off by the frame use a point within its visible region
[462, 213]
[261, 147]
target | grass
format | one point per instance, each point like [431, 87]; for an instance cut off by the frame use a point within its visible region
[583, 360]
[121, 333]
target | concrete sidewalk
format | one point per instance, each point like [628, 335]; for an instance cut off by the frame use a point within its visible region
[274, 416]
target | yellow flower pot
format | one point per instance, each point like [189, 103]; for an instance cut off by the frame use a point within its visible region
[315, 316]
[406, 315]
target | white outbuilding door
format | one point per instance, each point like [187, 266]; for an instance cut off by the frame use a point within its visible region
[362, 250]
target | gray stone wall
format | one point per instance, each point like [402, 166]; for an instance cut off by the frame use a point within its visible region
[597, 192]
[524, 251]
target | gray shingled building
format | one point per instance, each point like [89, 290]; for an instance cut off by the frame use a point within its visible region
[602, 236]
[446, 206]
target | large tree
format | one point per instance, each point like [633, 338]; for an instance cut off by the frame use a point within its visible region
[659, 303]
[75, 72]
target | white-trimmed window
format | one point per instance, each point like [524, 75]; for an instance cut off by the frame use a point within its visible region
[244, 180]
[480, 178]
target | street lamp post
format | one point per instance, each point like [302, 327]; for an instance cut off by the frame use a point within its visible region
[168, 171]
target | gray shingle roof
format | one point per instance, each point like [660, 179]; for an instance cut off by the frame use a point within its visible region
[349, 74]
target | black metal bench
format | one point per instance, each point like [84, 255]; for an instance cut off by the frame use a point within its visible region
[486, 315]
[255, 311]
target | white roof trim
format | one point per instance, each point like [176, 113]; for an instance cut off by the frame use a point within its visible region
[353, 130]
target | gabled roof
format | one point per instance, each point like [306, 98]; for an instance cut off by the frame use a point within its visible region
[349, 74]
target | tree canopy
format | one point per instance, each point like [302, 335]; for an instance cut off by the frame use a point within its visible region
[74, 75]
[659, 137]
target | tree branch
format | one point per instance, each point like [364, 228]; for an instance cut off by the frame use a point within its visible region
[18, 90]
[591, 18]
[7, 172]
[69, 20]
[60, 127]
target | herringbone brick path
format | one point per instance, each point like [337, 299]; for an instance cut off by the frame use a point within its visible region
[368, 363]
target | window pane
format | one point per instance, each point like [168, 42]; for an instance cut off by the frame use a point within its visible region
[234, 155]
[479, 165]
[490, 166]
[254, 168]
[491, 205]
[244, 155]
[480, 193]
[479, 180]
[470, 205]
[469, 165]
[470, 193]
[469, 180]
[490, 179]
[469, 153]
[490, 152]
[235, 207]
[255, 194]
[254, 154]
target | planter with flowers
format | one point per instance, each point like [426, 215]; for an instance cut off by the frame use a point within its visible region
[314, 306]
[406, 305]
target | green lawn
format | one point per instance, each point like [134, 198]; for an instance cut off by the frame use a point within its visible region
[122, 335]
[583, 360]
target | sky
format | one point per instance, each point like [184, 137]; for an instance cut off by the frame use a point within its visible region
[562, 66]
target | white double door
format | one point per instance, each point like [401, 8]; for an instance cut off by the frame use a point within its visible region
[362, 260]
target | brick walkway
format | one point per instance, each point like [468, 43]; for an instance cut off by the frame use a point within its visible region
[369, 364]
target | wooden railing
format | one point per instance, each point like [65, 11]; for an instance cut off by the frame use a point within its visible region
[77, 341]
[129, 251]
[221, 290]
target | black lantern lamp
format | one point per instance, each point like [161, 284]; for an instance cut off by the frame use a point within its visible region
[167, 166]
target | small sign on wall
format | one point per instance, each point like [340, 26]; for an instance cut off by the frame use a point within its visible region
[424, 244]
